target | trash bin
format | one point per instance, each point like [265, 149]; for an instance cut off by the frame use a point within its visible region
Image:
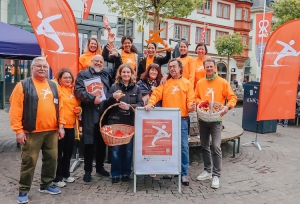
[250, 107]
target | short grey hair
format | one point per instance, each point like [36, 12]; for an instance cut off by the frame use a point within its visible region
[38, 59]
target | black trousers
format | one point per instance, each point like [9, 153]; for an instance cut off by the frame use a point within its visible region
[65, 151]
[98, 149]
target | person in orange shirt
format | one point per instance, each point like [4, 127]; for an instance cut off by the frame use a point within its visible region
[187, 61]
[201, 51]
[37, 117]
[177, 92]
[91, 49]
[127, 54]
[213, 84]
[65, 81]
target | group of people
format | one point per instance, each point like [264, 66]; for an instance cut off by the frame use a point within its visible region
[43, 113]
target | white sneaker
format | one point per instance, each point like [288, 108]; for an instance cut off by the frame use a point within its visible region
[69, 179]
[215, 182]
[205, 175]
[60, 184]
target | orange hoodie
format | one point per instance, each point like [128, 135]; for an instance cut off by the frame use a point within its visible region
[46, 114]
[175, 93]
[70, 102]
[222, 91]
[199, 69]
[85, 60]
[188, 68]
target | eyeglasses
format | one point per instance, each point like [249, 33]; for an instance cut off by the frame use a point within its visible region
[66, 78]
[41, 66]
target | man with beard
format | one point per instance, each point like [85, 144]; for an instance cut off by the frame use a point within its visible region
[92, 108]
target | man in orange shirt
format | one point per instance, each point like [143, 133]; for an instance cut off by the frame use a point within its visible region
[222, 91]
[177, 92]
[36, 115]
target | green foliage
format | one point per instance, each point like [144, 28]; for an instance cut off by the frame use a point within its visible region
[139, 9]
[229, 45]
[285, 10]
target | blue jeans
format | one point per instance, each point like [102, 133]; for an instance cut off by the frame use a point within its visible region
[121, 160]
[184, 147]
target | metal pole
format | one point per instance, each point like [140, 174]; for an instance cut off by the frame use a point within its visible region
[262, 38]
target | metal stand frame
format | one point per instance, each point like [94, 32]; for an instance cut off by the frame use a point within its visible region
[255, 142]
[77, 159]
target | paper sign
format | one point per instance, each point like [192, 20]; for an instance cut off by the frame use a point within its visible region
[96, 86]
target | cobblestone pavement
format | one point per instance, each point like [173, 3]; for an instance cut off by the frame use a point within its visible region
[267, 176]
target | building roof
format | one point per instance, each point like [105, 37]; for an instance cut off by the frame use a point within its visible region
[259, 4]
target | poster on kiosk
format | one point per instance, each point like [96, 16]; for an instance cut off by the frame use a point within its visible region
[157, 142]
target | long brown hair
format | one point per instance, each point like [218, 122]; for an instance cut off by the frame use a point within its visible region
[118, 76]
[87, 49]
[145, 76]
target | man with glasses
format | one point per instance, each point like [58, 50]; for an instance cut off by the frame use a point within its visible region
[36, 115]
[92, 109]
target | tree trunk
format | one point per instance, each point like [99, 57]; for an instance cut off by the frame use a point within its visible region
[228, 69]
[156, 21]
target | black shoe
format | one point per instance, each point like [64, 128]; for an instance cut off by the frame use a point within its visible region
[87, 177]
[167, 177]
[115, 179]
[103, 172]
[125, 178]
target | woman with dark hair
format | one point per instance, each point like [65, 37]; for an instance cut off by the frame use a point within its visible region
[201, 51]
[149, 80]
[151, 58]
[187, 61]
[65, 81]
[122, 114]
[127, 54]
[91, 49]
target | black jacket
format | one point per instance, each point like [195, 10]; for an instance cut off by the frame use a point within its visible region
[145, 89]
[116, 61]
[90, 112]
[158, 60]
[133, 96]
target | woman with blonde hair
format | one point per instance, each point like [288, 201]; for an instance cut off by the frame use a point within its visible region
[122, 114]
[91, 49]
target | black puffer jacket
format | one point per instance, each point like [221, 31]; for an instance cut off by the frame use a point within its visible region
[133, 96]
[90, 112]
[145, 89]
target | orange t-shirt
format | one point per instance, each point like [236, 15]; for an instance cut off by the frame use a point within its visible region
[46, 113]
[70, 102]
[188, 68]
[85, 60]
[199, 69]
[149, 61]
[175, 93]
[129, 58]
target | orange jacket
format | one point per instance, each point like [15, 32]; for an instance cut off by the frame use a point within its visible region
[188, 68]
[199, 69]
[46, 114]
[175, 93]
[85, 60]
[70, 102]
[222, 90]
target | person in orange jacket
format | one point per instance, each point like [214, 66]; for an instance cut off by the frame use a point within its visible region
[91, 49]
[65, 81]
[37, 117]
[213, 84]
[177, 92]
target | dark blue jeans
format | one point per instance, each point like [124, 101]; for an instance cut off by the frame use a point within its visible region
[121, 160]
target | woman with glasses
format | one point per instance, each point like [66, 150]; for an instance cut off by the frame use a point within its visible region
[65, 81]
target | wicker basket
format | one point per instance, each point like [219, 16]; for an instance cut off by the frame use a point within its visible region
[209, 116]
[111, 140]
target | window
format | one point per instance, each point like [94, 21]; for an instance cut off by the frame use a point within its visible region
[181, 31]
[238, 14]
[95, 17]
[220, 33]
[246, 11]
[251, 24]
[91, 17]
[245, 39]
[250, 43]
[205, 8]
[99, 18]
[164, 25]
[223, 10]
[129, 27]
[199, 35]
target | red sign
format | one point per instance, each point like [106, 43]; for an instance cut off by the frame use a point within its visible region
[203, 33]
[280, 71]
[87, 4]
[157, 137]
[55, 27]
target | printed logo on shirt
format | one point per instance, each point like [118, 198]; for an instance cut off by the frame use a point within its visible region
[200, 67]
[46, 92]
[71, 96]
[129, 61]
[175, 88]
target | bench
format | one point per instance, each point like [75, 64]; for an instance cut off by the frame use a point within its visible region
[230, 133]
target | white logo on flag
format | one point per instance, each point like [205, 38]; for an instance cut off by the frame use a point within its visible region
[263, 32]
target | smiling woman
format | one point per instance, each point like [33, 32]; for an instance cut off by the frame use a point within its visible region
[91, 49]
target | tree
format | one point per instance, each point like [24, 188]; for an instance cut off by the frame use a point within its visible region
[229, 45]
[284, 11]
[139, 9]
